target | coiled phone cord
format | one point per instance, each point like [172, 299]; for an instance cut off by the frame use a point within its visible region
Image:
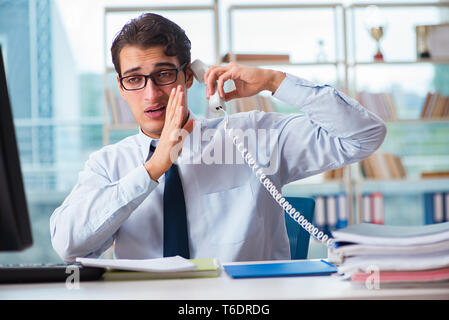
[275, 193]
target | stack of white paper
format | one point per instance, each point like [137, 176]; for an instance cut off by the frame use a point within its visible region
[408, 249]
[168, 264]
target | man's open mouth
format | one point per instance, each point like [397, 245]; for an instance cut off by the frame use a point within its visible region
[156, 109]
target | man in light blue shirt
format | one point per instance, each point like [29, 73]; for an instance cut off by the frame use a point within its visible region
[230, 215]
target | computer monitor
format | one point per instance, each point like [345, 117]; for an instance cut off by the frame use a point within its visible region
[15, 229]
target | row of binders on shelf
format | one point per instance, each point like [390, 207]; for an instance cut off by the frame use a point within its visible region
[118, 107]
[435, 106]
[331, 212]
[383, 166]
[436, 207]
[377, 256]
[372, 207]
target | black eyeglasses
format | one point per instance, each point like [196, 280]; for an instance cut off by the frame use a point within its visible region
[160, 78]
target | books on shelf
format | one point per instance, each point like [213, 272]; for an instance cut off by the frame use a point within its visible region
[254, 58]
[118, 107]
[331, 212]
[393, 254]
[383, 166]
[372, 207]
[257, 102]
[435, 106]
[335, 174]
[436, 207]
[382, 104]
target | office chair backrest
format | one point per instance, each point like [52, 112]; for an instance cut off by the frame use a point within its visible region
[298, 237]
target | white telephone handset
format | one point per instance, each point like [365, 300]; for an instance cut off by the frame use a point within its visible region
[217, 104]
[199, 69]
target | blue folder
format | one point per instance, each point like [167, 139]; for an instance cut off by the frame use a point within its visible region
[282, 269]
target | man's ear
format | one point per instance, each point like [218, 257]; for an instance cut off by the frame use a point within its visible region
[189, 77]
[120, 88]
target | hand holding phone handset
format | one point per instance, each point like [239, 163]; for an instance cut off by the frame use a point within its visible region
[216, 103]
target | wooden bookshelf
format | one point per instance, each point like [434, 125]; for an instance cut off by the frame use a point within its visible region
[374, 174]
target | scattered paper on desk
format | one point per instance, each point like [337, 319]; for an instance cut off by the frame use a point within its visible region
[168, 264]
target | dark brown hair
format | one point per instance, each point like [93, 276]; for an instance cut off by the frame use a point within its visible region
[149, 30]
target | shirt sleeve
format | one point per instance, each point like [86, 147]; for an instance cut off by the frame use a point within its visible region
[85, 223]
[334, 130]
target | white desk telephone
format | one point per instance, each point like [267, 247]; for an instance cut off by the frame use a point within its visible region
[216, 104]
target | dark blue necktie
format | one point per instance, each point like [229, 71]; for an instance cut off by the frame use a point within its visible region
[176, 240]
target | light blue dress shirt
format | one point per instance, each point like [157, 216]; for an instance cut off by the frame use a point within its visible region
[230, 214]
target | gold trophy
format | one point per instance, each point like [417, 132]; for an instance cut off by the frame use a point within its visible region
[377, 33]
[375, 24]
[421, 38]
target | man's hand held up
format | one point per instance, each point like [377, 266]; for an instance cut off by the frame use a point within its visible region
[172, 136]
